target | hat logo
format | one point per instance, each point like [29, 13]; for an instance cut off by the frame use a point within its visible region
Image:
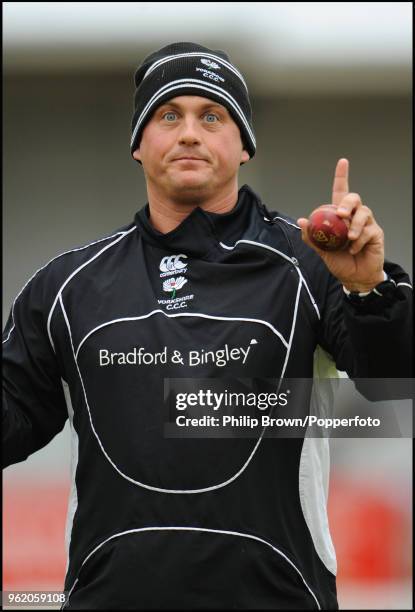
[208, 62]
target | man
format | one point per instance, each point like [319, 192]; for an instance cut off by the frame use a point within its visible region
[204, 271]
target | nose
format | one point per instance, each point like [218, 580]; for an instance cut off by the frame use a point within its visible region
[190, 131]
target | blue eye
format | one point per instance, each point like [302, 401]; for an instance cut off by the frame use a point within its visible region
[211, 116]
[169, 116]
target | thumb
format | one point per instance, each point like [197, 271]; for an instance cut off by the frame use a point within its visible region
[302, 222]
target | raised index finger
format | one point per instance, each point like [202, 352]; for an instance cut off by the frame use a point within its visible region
[341, 181]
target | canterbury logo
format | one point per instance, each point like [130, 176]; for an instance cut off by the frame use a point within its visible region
[172, 263]
[208, 62]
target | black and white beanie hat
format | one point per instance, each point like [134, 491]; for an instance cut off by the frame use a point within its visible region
[189, 69]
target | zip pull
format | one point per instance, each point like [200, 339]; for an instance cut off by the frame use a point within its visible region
[265, 213]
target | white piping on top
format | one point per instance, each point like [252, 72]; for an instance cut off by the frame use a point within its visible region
[297, 299]
[203, 530]
[284, 256]
[73, 495]
[45, 266]
[184, 314]
[285, 221]
[123, 234]
[174, 491]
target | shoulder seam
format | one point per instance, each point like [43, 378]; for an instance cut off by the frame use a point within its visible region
[288, 222]
[292, 260]
[120, 237]
[46, 265]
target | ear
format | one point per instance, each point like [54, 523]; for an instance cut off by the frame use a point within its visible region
[244, 157]
[136, 154]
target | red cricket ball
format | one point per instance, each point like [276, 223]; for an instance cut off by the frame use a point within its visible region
[326, 230]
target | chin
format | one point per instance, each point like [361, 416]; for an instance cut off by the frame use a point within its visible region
[190, 183]
[191, 192]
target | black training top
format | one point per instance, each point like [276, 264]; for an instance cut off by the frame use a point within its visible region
[190, 523]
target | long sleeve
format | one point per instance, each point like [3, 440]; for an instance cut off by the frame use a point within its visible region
[372, 339]
[34, 407]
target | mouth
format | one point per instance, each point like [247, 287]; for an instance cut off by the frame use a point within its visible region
[189, 159]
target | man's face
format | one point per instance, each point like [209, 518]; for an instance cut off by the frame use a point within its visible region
[191, 148]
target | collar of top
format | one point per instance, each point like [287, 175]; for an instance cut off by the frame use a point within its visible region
[201, 232]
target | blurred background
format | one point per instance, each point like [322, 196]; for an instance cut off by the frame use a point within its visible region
[326, 80]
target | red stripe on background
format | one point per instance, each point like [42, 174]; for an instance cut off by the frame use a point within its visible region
[34, 517]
